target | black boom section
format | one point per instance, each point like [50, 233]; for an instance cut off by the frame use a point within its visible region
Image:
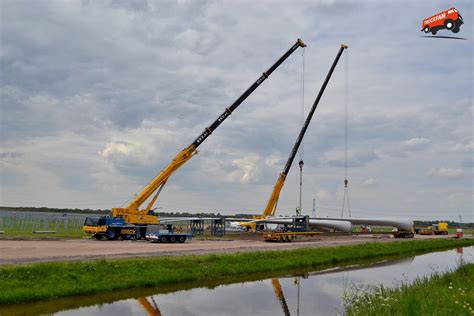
[228, 111]
[310, 115]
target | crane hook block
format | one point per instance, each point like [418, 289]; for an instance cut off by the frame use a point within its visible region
[344, 46]
[346, 182]
[301, 42]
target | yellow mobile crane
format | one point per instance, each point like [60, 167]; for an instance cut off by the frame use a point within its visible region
[130, 222]
[273, 200]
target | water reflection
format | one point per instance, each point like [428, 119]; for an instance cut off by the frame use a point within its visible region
[151, 307]
[314, 293]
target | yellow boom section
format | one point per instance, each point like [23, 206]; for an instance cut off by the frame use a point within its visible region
[273, 200]
[271, 204]
[131, 213]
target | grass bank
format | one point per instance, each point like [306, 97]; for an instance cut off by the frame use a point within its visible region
[448, 294]
[44, 281]
[60, 234]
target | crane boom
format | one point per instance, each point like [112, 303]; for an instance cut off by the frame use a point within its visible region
[132, 213]
[273, 200]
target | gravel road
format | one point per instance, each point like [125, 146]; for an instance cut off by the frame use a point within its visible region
[28, 251]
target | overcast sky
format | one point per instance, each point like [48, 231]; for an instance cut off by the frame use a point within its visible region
[98, 96]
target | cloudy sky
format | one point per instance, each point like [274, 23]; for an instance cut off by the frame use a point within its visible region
[98, 96]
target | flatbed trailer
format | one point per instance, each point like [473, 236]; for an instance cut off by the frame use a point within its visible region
[287, 236]
[156, 234]
[168, 237]
[396, 234]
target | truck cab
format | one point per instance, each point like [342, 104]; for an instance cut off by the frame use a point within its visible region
[112, 228]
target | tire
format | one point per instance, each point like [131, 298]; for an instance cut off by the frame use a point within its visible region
[449, 24]
[455, 30]
[126, 237]
[426, 29]
[98, 237]
[138, 235]
[173, 239]
[182, 239]
[164, 239]
[111, 234]
[434, 32]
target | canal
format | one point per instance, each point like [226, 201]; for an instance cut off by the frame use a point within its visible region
[300, 293]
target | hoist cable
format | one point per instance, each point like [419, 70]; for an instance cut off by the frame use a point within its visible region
[346, 141]
[346, 132]
[302, 99]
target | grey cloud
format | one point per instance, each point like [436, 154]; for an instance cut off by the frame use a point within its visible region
[153, 75]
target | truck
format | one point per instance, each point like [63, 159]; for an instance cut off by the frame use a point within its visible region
[131, 222]
[449, 19]
[156, 233]
[440, 228]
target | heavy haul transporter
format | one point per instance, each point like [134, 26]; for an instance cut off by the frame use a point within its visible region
[131, 222]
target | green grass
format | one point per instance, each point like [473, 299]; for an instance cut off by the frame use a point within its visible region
[14, 233]
[448, 294]
[45, 281]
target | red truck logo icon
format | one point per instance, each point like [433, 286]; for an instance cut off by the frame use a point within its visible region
[450, 19]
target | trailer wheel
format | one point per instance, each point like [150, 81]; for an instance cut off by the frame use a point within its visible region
[182, 239]
[172, 239]
[111, 234]
[164, 239]
[426, 29]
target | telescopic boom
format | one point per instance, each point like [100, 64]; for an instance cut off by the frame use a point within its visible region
[132, 213]
[272, 202]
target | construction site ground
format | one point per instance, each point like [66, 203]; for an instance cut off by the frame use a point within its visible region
[29, 251]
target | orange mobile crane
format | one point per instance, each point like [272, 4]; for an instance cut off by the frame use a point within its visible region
[270, 209]
[131, 221]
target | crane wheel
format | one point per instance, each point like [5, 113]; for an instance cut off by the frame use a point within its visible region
[138, 234]
[98, 237]
[126, 237]
[111, 234]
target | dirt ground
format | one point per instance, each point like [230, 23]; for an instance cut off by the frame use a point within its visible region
[28, 251]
